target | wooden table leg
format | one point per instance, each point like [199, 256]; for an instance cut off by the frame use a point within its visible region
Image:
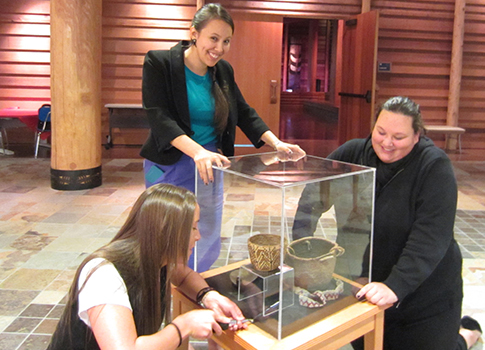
[374, 339]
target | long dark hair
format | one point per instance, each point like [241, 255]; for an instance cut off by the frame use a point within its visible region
[155, 234]
[201, 18]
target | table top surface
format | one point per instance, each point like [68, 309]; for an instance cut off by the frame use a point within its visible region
[120, 105]
[18, 113]
[444, 128]
[349, 318]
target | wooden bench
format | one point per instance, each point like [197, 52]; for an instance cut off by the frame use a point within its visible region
[446, 130]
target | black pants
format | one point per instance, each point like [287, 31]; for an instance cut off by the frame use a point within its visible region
[439, 332]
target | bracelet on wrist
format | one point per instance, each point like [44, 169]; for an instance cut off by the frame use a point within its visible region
[276, 144]
[202, 302]
[201, 294]
[178, 331]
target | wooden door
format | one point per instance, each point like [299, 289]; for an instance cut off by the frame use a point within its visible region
[255, 55]
[356, 75]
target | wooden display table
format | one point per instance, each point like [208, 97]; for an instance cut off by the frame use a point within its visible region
[340, 328]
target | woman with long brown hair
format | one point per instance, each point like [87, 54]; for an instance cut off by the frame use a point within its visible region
[120, 296]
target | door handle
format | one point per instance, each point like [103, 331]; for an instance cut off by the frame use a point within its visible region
[273, 85]
[367, 96]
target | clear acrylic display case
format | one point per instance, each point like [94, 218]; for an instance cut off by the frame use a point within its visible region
[321, 209]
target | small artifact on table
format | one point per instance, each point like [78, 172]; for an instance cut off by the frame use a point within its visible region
[265, 251]
[314, 260]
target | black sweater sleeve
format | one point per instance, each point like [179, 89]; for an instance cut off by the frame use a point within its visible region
[432, 230]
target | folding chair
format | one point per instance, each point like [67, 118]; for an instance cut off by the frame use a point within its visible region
[43, 125]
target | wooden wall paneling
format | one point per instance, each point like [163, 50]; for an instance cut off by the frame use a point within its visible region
[418, 59]
[472, 97]
[22, 7]
[24, 57]
[408, 81]
[413, 92]
[175, 10]
[415, 36]
[332, 9]
[152, 34]
[135, 50]
[18, 69]
[24, 98]
[19, 43]
[130, 29]
[21, 82]
[430, 46]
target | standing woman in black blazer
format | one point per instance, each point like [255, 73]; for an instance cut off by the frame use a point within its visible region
[194, 105]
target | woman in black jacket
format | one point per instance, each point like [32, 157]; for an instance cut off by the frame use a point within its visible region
[416, 263]
[193, 106]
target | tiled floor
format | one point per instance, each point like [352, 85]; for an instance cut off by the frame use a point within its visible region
[44, 234]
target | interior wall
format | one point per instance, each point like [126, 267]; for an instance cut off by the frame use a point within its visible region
[130, 29]
[24, 58]
[24, 53]
[415, 37]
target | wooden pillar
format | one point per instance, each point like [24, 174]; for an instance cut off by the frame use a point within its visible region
[200, 3]
[366, 6]
[456, 70]
[76, 94]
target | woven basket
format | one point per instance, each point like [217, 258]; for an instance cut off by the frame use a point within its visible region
[313, 260]
[264, 251]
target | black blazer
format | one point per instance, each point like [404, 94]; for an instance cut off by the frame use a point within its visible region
[166, 103]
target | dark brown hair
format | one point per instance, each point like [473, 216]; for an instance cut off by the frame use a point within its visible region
[201, 18]
[407, 107]
[156, 234]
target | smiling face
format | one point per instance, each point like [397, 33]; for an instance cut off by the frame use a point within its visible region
[212, 42]
[194, 232]
[393, 136]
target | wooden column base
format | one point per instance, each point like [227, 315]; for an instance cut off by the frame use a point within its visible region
[72, 180]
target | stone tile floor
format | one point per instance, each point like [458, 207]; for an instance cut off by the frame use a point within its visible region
[45, 234]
